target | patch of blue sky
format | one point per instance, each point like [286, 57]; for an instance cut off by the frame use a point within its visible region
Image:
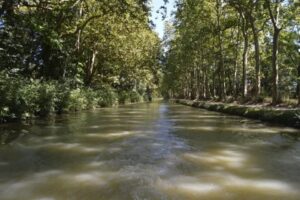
[157, 17]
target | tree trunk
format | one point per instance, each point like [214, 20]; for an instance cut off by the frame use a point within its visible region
[198, 83]
[204, 78]
[245, 53]
[192, 85]
[230, 83]
[257, 86]
[78, 41]
[214, 85]
[90, 69]
[275, 68]
[222, 84]
[298, 87]
[235, 80]
[206, 86]
[245, 65]
[235, 76]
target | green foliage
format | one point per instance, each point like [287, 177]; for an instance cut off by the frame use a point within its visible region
[129, 97]
[46, 98]
[62, 99]
[54, 55]
[219, 49]
[107, 97]
[134, 97]
[20, 98]
[77, 100]
[90, 97]
[123, 97]
[23, 98]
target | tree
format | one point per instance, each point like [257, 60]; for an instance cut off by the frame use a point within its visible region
[274, 14]
[205, 56]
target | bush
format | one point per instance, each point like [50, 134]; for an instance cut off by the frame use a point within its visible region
[106, 97]
[4, 109]
[123, 97]
[46, 98]
[129, 96]
[23, 98]
[77, 100]
[134, 97]
[91, 98]
[62, 98]
[18, 97]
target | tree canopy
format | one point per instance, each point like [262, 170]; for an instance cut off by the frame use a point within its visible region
[81, 43]
[94, 41]
[234, 48]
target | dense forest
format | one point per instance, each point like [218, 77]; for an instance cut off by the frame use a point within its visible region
[234, 50]
[58, 56]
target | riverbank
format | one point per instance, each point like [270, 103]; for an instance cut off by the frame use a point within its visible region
[30, 118]
[283, 116]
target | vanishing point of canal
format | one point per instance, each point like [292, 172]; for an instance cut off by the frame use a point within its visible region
[156, 151]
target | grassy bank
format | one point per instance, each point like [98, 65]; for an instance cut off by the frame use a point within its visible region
[288, 117]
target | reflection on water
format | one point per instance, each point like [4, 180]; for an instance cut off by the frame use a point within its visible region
[149, 151]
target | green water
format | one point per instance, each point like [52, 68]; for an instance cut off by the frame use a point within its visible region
[149, 151]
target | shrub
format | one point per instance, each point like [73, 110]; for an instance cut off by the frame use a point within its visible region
[134, 97]
[46, 98]
[129, 96]
[77, 100]
[91, 98]
[123, 97]
[18, 97]
[106, 97]
[25, 101]
[24, 98]
[62, 98]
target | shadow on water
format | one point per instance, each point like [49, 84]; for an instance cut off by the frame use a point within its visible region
[149, 151]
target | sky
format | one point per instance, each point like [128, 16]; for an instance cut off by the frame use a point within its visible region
[157, 18]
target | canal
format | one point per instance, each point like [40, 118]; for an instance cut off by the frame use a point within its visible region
[151, 151]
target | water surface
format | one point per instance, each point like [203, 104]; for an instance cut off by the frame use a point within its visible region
[149, 151]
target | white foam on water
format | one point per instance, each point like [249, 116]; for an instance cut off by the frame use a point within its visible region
[198, 187]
